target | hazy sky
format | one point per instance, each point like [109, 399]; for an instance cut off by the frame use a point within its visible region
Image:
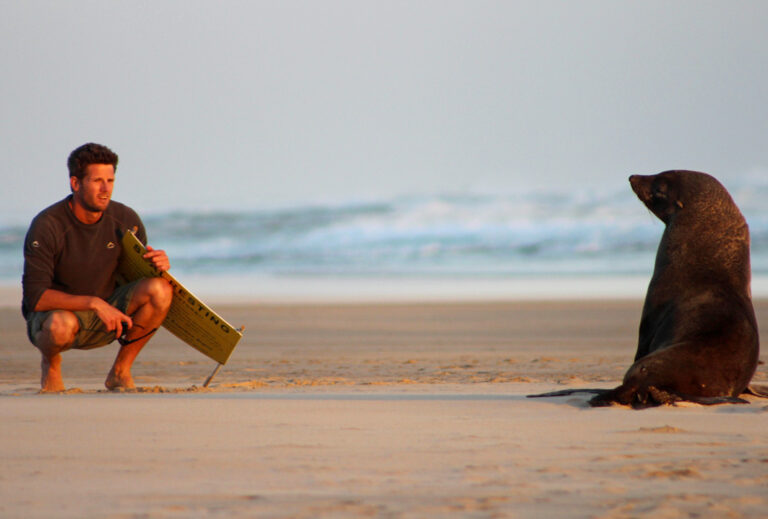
[252, 104]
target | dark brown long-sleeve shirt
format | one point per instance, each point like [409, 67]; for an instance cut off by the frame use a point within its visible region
[63, 253]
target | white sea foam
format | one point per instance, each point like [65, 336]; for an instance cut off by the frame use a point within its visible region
[542, 234]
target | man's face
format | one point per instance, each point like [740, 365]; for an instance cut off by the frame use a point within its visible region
[94, 191]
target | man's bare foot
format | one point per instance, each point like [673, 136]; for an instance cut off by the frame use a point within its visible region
[119, 381]
[50, 380]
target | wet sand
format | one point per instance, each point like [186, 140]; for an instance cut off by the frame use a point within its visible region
[375, 410]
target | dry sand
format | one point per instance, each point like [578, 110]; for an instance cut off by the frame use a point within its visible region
[393, 410]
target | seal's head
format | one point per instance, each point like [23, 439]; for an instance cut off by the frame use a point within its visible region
[659, 193]
[677, 191]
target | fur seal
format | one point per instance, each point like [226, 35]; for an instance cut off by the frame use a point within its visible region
[698, 337]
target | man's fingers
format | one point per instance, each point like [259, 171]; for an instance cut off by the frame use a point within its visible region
[124, 323]
[158, 257]
[118, 323]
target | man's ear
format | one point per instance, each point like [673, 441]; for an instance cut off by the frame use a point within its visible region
[74, 183]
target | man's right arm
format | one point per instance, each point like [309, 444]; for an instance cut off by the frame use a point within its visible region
[57, 300]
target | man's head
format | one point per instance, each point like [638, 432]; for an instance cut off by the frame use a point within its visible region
[92, 177]
[88, 154]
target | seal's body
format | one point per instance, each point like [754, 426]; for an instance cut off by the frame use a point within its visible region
[698, 336]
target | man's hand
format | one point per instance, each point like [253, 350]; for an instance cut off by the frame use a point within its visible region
[112, 318]
[158, 258]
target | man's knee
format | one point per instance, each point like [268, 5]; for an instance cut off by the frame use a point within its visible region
[159, 292]
[58, 330]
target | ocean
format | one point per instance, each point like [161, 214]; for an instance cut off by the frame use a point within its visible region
[491, 240]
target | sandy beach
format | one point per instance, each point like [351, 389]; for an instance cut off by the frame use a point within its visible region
[375, 410]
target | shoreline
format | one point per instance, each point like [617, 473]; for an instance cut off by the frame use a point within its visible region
[263, 289]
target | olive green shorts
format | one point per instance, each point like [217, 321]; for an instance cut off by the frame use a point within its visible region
[93, 333]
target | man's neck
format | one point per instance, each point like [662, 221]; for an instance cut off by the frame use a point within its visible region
[83, 214]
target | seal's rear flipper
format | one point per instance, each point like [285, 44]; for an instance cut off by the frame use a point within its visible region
[756, 390]
[715, 400]
[566, 392]
[650, 397]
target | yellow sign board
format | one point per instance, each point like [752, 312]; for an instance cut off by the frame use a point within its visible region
[189, 318]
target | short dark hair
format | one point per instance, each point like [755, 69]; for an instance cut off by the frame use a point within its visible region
[88, 154]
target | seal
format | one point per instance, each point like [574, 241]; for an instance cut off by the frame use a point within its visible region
[698, 337]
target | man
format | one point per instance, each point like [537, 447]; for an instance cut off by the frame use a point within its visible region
[70, 294]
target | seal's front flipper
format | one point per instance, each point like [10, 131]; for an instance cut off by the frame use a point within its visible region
[756, 390]
[635, 397]
[643, 398]
[566, 392]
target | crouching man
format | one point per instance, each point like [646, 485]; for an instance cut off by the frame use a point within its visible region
[70, 294]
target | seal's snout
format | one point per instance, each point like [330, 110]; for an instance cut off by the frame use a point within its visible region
[640, 186]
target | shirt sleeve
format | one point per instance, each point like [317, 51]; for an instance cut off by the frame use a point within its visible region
[40, 250]
[137, 226]
[141, 234]
[128, 220]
